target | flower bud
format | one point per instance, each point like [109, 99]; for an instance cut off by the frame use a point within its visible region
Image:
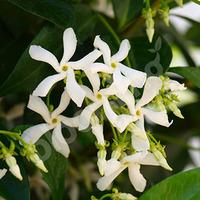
[101, 163]
[173, 107]
[13, 166]
[116, 153]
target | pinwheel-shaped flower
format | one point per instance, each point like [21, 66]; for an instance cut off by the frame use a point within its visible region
[65, 68]
[100, 98]
[123, 76]
[53, 121]
[132, 162]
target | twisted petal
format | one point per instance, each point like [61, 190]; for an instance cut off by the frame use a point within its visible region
[74, 90]
[136, 178]
[37, 105]
[129, 99]
[100, 67]
[86, 61]
[176, 86]
[64, 102]
[118, 121]
[112, 166]
[86, 114]
[59, 142]
[149, 160]
[104, 182]
[70, 121]
[32, 134]
[44, 87]
[88, 93]
[123, 51]
[41, 54]
[160, 118]
[137, 78]
[135, 158]
[120, 81]
[104, 48]
[2, 173]
[94, 80]
[151, 89]
[69, 43]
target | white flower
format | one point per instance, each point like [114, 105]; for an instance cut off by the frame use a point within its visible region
[123, 76]
[2, 173]
[151, 90]
[53, 121]
[65, 69]
[131, 162]
[100, 98]
[13, 166]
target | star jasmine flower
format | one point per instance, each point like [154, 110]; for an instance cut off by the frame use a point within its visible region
[113, 65]
[151, 90]
[2, 173]
[65, 69]
[132, 162]
[53, 121]
[100, 98]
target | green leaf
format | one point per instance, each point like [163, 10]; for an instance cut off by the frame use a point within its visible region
[182, 186]
[13, 189]
[56, 165]
[190, 73]
[196, 1]
[27, 72]
[62, 13]
[151, 57]
[126, 10]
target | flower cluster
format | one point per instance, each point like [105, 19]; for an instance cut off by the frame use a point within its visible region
[110, 97]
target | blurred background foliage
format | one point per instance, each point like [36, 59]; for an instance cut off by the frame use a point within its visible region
[25, 22]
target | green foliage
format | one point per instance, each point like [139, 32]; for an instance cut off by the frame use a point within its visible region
[183, 186]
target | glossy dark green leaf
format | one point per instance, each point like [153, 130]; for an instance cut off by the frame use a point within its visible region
[151, 57]
[126, 11]
[27, 72]
[56, 165]
[13, 189]
[190, 73]
[182, 186]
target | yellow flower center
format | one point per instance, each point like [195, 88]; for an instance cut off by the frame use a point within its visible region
[54, 121]
[64, 68]
[138, 112]
[99, 96]
[113, 65]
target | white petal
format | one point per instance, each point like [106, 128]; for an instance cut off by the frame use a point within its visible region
[118, 121]
[64, 102]
[136, 178]
[70, 121]
[104, 48]
[104, 182]
[74, 90]
[100, 67]
[139, 139]
[37, 105]
[59, 142]
[111, 90]
[123, 51]
[151, 89]
[160, 118]
[150, 159]
[194, 154]
[44, 86]
[137, 78]
[121, 82]
[41, 54]
[86, 61]
[2, 173]
[86, 114]
[94, 80]
[134, 158]
[69, 44]
[129, 99]
[176, 86]
[112, 166]
[88, 93]
[32, 134]
[97, 129]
